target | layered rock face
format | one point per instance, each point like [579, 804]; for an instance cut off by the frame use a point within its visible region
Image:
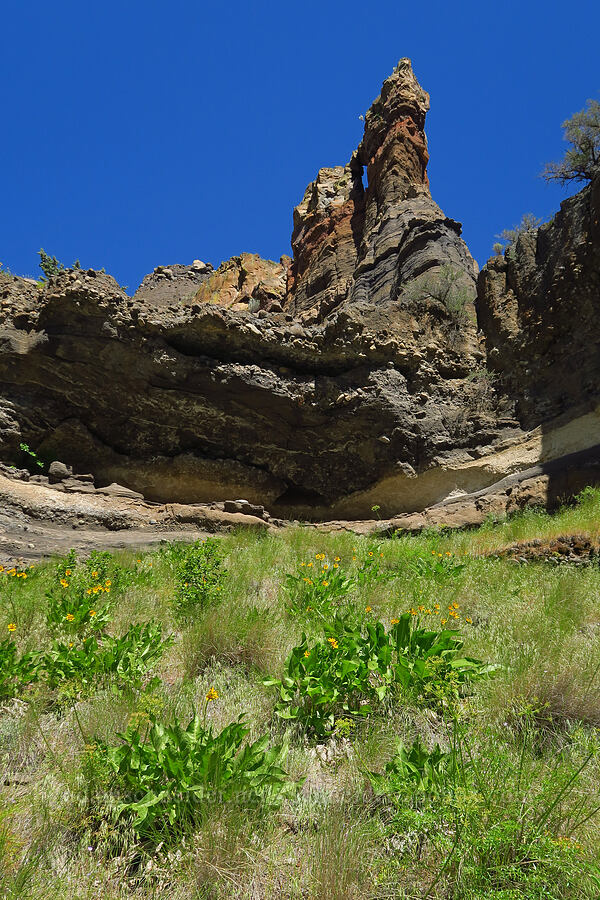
[351, 375]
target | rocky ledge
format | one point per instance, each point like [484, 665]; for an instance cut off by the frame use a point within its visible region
[371, 368]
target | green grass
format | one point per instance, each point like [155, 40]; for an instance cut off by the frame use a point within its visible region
[515, 816]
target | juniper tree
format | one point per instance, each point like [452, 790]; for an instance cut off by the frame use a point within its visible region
[582, 160]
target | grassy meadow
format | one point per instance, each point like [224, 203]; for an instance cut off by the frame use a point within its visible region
[304, 715]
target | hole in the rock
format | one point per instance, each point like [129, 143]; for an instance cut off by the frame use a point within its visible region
[298, 496]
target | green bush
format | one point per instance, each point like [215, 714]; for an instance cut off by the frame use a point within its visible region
[199, 577]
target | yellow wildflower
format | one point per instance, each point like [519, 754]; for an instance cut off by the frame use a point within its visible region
[337, 558]
[325, 583]
[67, 572]
[368, 608]
[469, 620]
[12, 626]
[333, 643]
[443, 621]
[394, 621]
[306, 653]
[92, 612]
[94, 574]
[1, 568]
[69, 617]
[325, 566]
[64, 582]
[211, 695]
[108, 582]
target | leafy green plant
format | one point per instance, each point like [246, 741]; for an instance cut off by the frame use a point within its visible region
[343, 675]
[16, 670]
[430, 663]
[171, 776]
[199, 577]
[95, 661]
[416, 770]
[353, 669]
[324, 583]
[31, 454]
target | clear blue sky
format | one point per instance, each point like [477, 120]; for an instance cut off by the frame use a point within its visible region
[137, 134]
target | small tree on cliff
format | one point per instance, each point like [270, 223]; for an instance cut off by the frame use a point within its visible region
[582, 159]
[529, 223]
[49, 264]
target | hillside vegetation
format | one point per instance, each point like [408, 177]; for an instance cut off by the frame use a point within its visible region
[304, 715]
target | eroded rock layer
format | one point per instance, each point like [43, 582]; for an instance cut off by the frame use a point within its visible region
[353, 374]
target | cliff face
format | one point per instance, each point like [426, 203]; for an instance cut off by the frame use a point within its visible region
[538, 308]
[350, 375]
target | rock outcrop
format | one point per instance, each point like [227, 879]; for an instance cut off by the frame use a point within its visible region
[362, 371]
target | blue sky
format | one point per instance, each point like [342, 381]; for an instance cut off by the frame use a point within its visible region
[137, 134]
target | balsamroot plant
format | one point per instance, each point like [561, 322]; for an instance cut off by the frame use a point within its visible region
[353, 669]
[171, 776]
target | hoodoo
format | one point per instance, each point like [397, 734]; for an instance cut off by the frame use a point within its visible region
[371, 367]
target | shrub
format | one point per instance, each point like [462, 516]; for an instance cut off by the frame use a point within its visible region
[528, 225]
[199, 577]
[582, 160]
[171, 776]
[449, 286]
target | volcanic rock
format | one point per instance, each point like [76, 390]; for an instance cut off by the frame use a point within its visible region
[362, 371]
